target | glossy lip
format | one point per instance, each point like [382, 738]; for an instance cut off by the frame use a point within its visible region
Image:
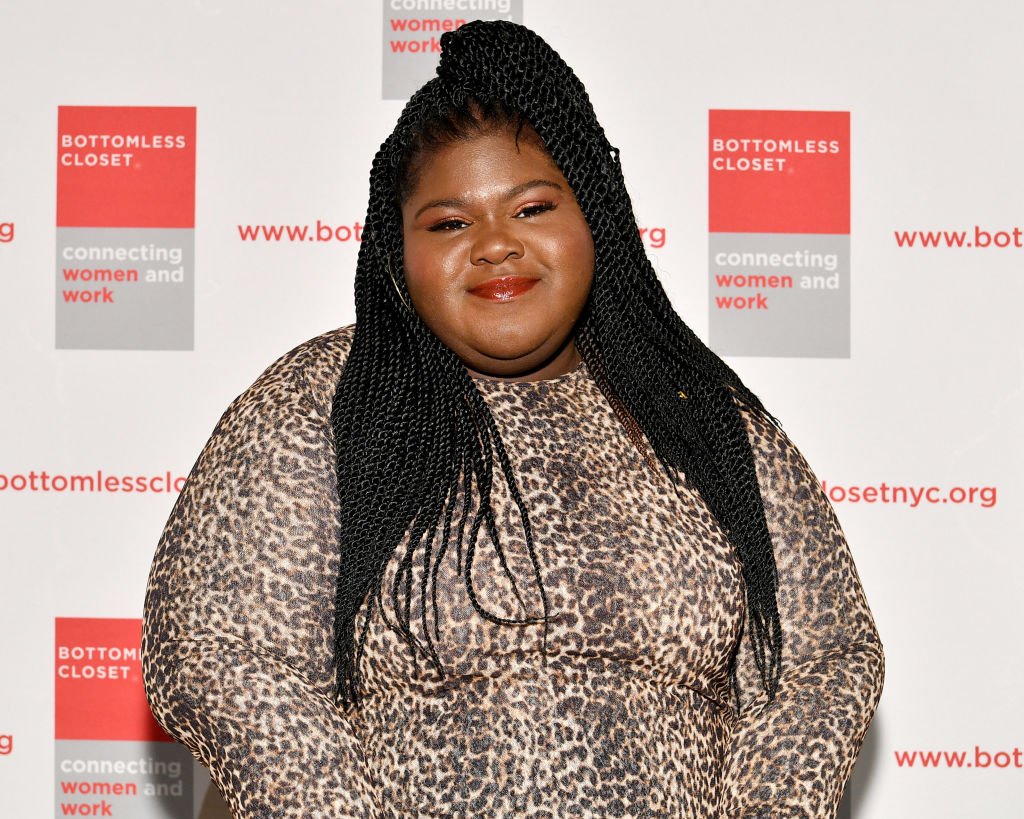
[503, 288]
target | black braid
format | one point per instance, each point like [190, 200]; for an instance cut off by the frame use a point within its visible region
[412, 431]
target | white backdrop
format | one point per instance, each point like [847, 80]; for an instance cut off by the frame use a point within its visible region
[289, 112]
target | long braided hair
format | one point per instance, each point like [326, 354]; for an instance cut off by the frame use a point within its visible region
[411, 430]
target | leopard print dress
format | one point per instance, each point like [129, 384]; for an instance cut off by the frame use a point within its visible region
[628, 713]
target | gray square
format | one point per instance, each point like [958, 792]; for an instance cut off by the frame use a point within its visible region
[125, 288]
[779, 294]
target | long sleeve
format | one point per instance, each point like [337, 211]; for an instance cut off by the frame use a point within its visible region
[238, 613]
[792, 757]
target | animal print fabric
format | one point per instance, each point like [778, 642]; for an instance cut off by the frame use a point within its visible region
[631, 713]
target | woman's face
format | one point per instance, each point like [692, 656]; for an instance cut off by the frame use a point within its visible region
[498, 256]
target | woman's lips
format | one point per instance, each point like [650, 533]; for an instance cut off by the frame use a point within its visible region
[503, 288]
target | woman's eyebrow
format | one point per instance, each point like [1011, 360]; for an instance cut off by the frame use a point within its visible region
[511, 193]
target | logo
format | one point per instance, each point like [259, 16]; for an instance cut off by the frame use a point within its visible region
[125, 228]
[412, 36]
[111, 757]
[779, 223]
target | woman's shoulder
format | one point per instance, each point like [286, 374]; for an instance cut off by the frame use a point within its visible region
[781, 466]
[309, 371]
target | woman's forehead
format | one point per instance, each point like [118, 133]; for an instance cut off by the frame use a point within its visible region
[489, 168]
[473, 159]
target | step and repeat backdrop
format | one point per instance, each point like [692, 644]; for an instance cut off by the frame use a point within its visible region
[831, 193]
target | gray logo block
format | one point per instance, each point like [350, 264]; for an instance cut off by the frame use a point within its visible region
[125, 288]
[412, 36]
[143, 780]
[779, 294]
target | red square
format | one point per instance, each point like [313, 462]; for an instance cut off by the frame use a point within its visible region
[779, 172]
[126, 167]
[98, 685]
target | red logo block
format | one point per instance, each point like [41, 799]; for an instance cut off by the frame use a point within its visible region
[779, 172]
[98, 686]
[126, 167]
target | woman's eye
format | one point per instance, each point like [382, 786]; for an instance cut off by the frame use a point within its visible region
[533, 210]
[448, 224]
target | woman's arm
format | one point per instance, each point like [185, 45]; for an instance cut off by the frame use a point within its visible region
[238, 613]
[792, 757]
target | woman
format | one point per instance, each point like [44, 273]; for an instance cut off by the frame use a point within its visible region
[647, 609]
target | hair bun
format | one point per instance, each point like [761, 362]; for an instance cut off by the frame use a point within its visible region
[506, 61]
[482, 44]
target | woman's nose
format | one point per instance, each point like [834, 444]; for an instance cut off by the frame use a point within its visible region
[495, 244]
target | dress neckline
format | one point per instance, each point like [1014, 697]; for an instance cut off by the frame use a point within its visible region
[577, 373]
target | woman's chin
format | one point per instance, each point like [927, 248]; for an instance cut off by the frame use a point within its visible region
[511, 361]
